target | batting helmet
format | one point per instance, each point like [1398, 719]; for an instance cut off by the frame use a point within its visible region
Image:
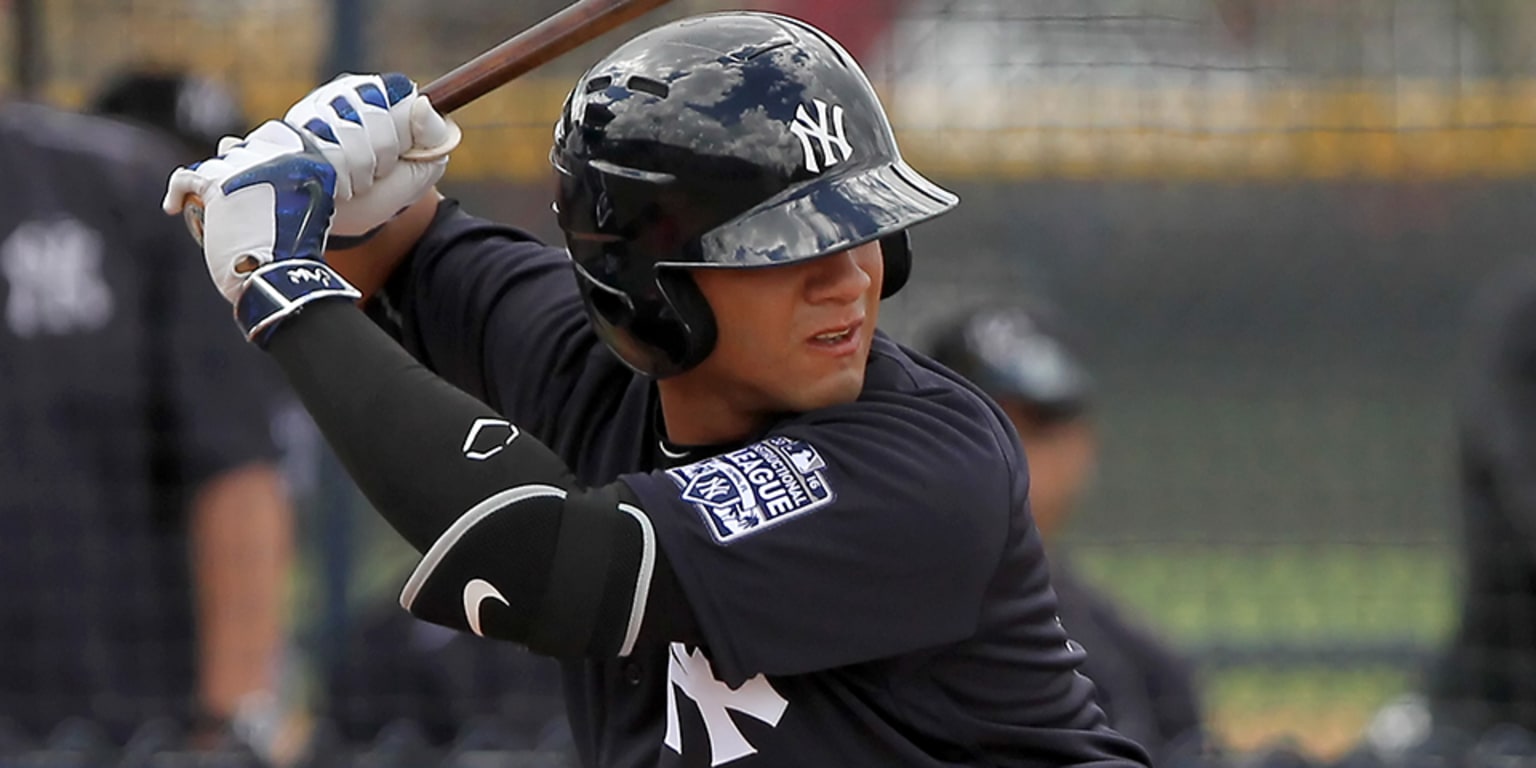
[1016, 353]
[725, 140]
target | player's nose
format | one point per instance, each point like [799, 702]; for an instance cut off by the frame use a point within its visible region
[836, 278]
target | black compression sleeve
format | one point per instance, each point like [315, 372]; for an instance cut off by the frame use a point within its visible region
[575, 566]
[399, 429]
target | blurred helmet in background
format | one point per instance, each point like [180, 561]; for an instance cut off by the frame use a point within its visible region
[1019, 354]
[194, 109]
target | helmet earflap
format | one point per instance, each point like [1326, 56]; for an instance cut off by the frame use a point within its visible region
[695, 331]
[897, 251]
[694, 320]
[650, 339]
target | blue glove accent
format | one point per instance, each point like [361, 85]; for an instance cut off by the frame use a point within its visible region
[399, 86]
[370, 94]
[305, 186]
[280, 289]
[322, 129]
[345, 111]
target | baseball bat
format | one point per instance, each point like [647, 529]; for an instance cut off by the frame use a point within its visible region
[576, 24]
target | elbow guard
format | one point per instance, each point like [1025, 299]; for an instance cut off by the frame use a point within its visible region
[566, 573]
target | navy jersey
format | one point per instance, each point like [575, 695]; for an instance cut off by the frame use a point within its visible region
[867, 582]
[117, 367]
[1145, 687]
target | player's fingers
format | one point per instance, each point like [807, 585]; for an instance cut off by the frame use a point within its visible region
[431, 132]
[371, 100]
[400, 97]
[184, 183]
[195, 180]
[351, 134]
[391, 195]
[334, 117]
[270, 139]
[326, 141]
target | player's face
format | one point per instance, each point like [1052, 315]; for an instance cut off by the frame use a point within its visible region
[794, 337]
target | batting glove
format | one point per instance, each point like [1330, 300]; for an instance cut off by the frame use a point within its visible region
[365, 124]
[261, 211]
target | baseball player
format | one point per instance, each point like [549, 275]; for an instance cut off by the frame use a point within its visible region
[1020, 357]
[678, 456]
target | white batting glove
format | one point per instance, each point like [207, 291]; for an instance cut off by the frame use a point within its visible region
[364, 124]
[262, 210]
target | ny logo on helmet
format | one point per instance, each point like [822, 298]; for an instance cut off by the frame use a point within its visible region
[829, 137]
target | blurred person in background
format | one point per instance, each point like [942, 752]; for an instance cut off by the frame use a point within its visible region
[393, 669]
[144, 530]
[1483, 684]
[1019, 356]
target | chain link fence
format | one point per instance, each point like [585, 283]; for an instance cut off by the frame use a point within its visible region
[1265, 219]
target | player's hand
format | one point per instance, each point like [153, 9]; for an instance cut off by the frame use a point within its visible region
[262, 210]
[365, 125]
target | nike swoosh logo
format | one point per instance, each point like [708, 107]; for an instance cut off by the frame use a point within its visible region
[316, 194]
[475, 593]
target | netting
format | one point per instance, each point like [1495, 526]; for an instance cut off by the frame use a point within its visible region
[1266, 220]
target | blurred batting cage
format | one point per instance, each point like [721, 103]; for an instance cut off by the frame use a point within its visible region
[1265, 220]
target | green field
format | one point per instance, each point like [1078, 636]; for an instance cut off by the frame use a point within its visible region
[1331, 601]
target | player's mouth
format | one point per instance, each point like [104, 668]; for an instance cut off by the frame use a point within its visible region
[839, 340]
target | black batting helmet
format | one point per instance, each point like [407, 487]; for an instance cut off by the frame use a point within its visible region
[725, 140]
[1016, 353]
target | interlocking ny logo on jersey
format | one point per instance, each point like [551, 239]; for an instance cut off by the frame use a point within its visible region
[829, 137]
[748, 490]
[692, 673]
[54, 269]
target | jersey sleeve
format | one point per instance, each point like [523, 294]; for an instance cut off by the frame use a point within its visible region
[853, 533]
[497, 314]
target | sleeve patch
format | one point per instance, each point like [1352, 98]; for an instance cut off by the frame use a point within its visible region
[759, 486]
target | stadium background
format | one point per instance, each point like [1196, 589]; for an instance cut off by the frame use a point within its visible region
[1266, 220]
